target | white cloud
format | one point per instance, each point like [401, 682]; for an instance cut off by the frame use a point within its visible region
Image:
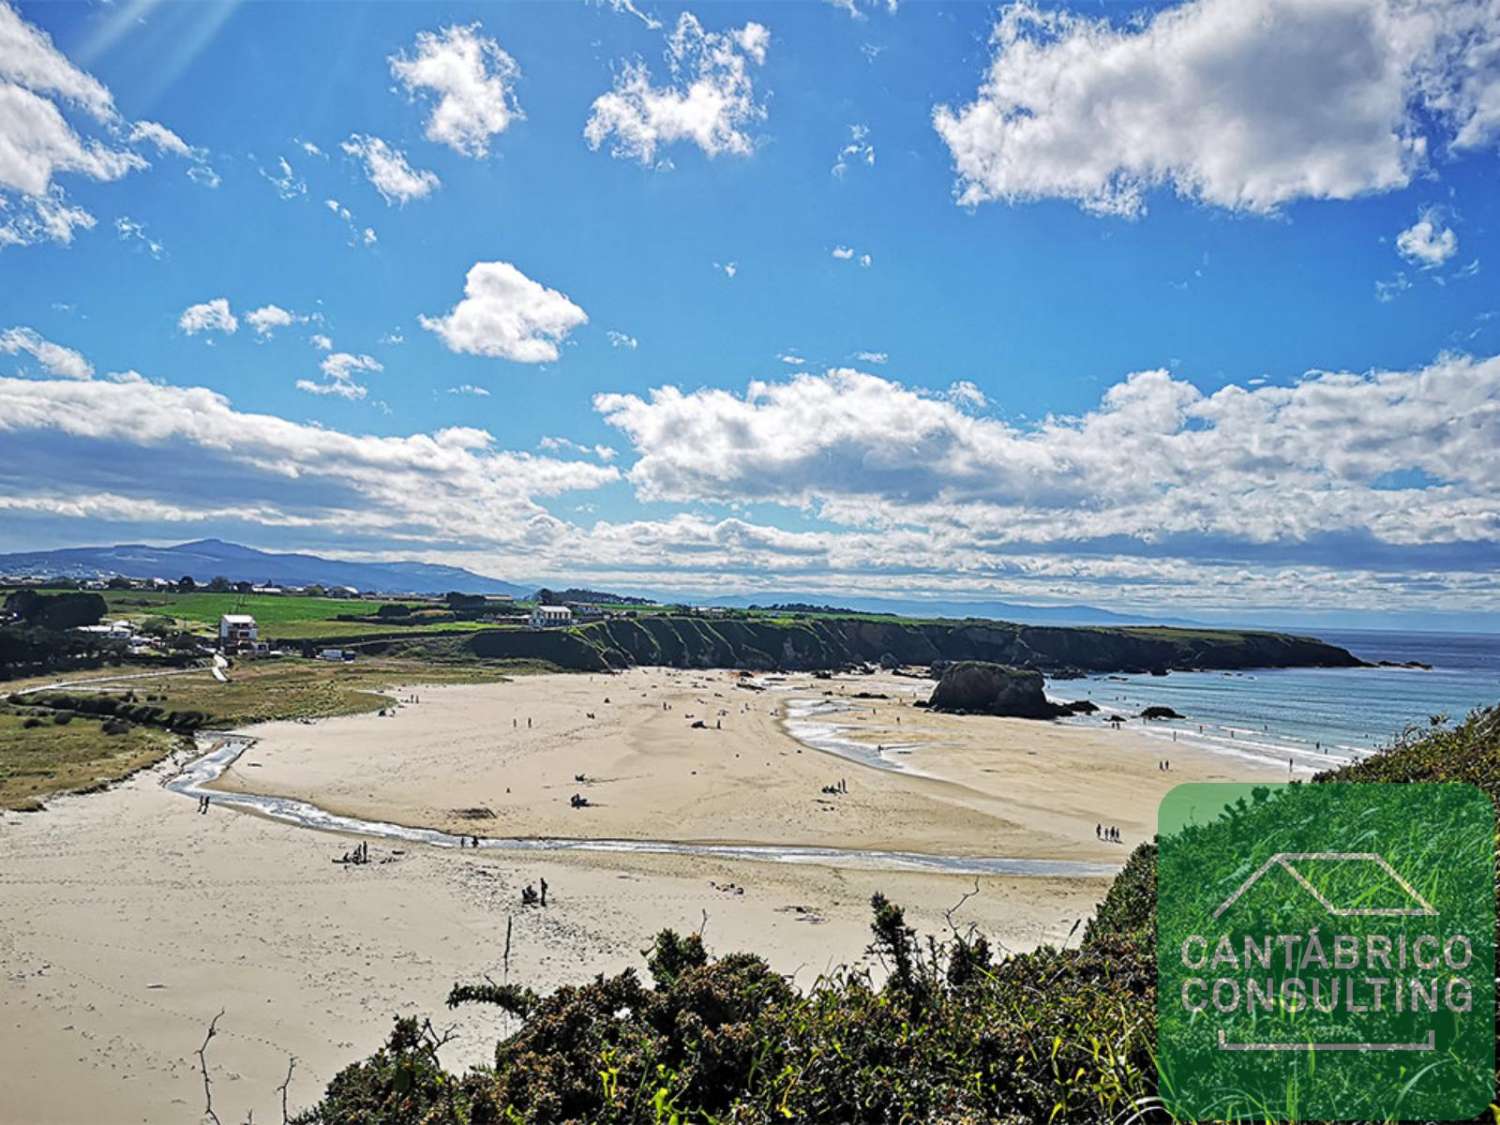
[709, 99]
[210, 316]
[628, 7]
[357, 237]
[1387, 291]
[266, 319]
[339, 371]
[843, 253]
[859, 150]
[854, 8]
[469, 389]
[1245, 470]
[1244, 104]
[350, 390]
[387, 169]
[287, 183]
[872, 357]
[28, 58]
[310, 148]
[54, 358]
[131, 231]
[37, 143]
[472, 80]
[562, 444]
[506, 314]
[622, 340]
[161, 137]
[1427, 243]
[321, 342]
[865, 260]
[728, 269]
[186, 453]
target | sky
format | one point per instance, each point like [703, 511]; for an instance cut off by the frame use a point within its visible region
[1180, 308]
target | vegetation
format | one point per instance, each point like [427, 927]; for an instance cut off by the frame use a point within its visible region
[953, 1034]
[43, 752]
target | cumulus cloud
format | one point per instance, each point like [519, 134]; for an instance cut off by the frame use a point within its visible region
[1427, 243]
[210, 316]
[54, 358]
[187, 453]
[622, 340]
[321, 342]
[506, 314]
[470, 81]
[387, 169]
[1156, 460]
[1243, 104]
[266, 319]
[708, 99]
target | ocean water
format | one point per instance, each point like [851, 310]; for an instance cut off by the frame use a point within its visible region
[1316, 717]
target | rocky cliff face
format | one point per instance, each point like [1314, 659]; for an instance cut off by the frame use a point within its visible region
[809, 644]
[974, 687]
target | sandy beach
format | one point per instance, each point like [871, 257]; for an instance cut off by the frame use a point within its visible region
[131, 919]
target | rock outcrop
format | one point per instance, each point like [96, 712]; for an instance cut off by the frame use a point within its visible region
[1157, 711]
[975, 687]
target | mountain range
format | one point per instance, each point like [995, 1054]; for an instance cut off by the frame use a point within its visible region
[205, 559]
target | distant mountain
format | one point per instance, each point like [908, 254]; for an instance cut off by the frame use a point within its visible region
[207, 558]
[912, 607]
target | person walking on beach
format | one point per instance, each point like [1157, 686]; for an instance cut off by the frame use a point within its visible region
[1098, 831]
[544, 892]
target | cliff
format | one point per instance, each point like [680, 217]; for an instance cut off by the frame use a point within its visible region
[814, 643]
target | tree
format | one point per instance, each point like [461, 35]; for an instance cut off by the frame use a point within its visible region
[244, 587]
[119, 582]
[219, 585]
[186, 585]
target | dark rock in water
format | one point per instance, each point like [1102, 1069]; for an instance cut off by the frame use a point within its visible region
[1415, 664]
[1159, 670]
[980, 688]
[1081, 707]
[1115, 719]
[1160, 712]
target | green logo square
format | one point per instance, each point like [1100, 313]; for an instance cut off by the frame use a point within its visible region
[1326, 952]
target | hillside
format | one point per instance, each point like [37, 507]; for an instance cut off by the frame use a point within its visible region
[767, 644]
[206, 558]
[954, 1033]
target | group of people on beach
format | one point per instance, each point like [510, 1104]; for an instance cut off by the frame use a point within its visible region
[529, 896]
[203, 802]
[1110, 833]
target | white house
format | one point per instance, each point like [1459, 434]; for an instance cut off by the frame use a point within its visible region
[237, 631]
[548, 616]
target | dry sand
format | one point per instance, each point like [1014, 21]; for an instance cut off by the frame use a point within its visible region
[129, 920]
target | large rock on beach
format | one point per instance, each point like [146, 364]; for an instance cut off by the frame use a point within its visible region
[977, 687]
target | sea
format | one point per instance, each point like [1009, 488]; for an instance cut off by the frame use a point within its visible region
[1308, 718]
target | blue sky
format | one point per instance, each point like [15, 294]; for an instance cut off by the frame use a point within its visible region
[1178, 308]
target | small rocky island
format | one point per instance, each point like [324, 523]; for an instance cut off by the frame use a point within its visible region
[978, 687]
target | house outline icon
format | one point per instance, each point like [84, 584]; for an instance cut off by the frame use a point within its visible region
[1284, 861]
